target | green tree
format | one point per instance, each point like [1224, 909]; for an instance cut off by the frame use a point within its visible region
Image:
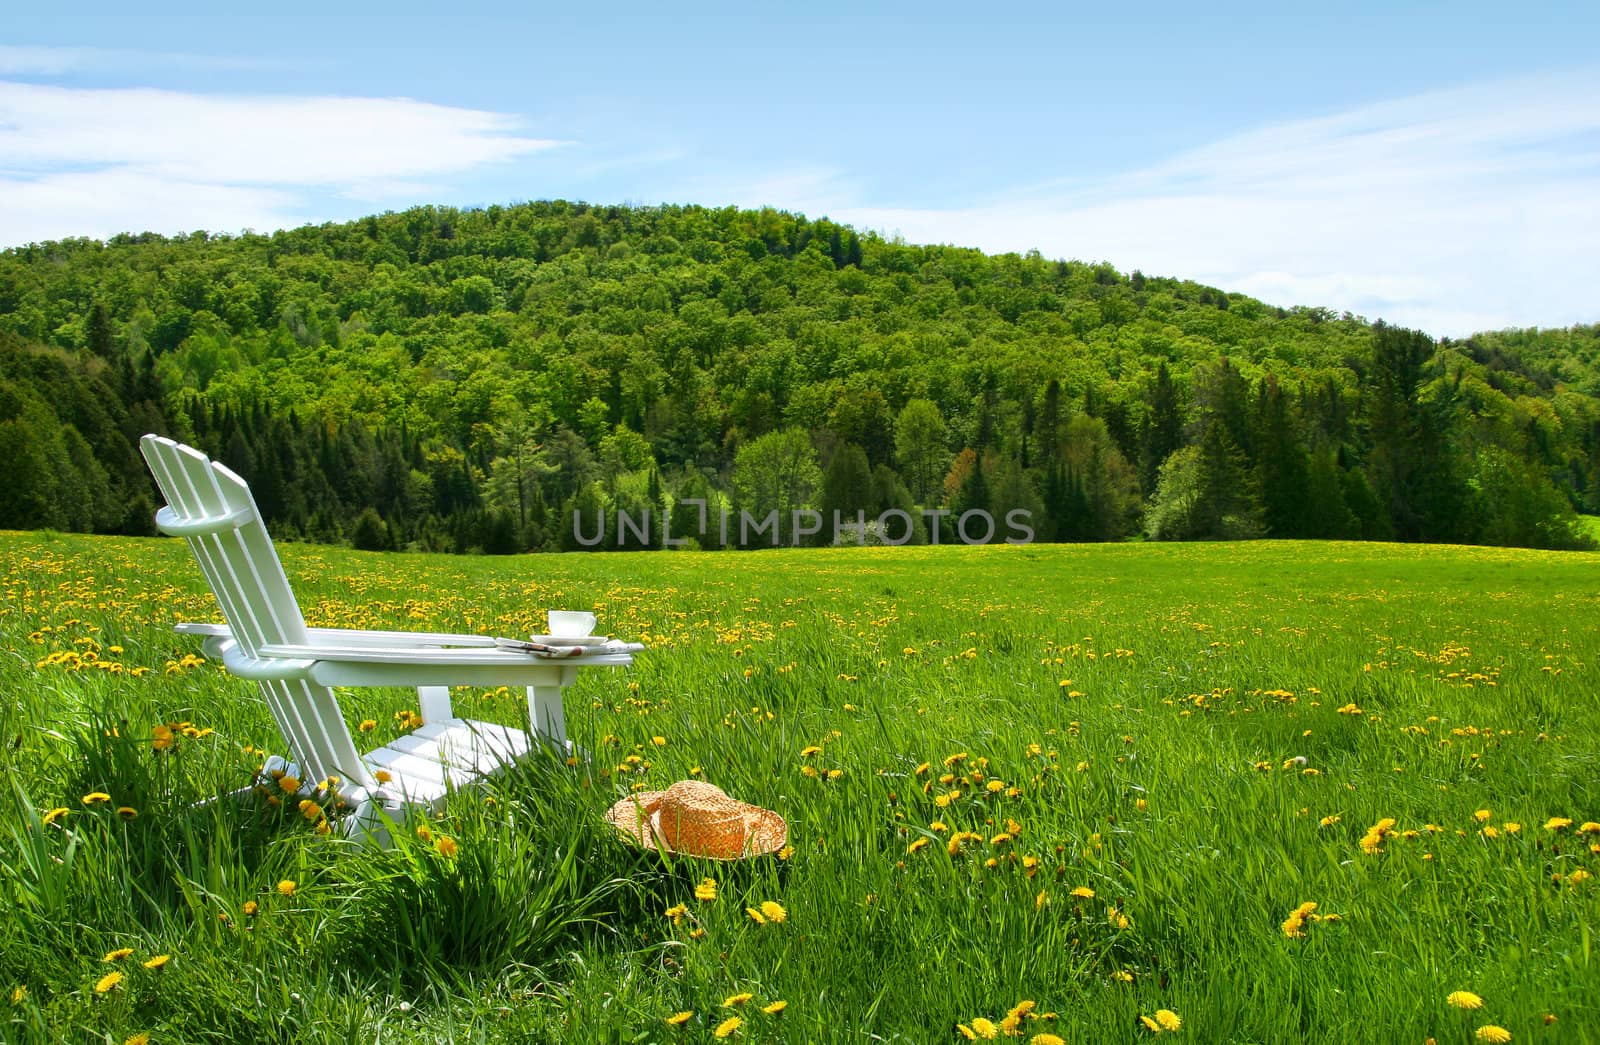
[921, 448]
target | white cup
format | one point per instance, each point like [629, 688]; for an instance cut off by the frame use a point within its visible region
[571, 623]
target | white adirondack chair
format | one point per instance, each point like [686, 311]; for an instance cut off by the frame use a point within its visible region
[266, 640]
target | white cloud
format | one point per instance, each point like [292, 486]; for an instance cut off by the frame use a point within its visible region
[95, 162]
[1454, 211]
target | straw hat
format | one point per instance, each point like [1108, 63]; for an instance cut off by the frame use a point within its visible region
[695, 818]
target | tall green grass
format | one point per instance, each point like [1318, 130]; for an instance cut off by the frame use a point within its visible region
[1199, 736]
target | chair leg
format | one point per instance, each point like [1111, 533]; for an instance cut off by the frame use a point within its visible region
[435, 703]
[546, 716]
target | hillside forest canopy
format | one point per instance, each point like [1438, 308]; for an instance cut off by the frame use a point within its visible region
[511, 378]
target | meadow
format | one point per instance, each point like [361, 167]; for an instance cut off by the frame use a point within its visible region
[1086, 793]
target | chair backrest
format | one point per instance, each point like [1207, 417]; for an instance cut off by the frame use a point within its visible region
[211, 507]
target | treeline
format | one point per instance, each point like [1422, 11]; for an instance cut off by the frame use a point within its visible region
[556, 376]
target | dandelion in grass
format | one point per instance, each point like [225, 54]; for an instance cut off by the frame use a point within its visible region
[916, 843]
[108, 982]
[1589, 827]
[1169, 1020]
[676, 913]
[1492, 1033]
[54, 815]
[1556, 823]
[727, 1027]
[1150, 1024]
[127, 812]
[775, 1008]
[1083, 892]
[1046, 1038]
[289, 784]
[310, 810]
[706, 891]
[1464, 1000]
[158, 962]
[18, 994]
[733, 1000]
[985, 1028]
[368, 725]
[774, 911]
[756, 916]
[447, 847]
[141, 1038]
[678, 1019]
[95, 798]
[287, 887]
[810, 750]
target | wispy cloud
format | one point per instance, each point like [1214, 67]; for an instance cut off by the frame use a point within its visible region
[1454, 211]
[95, 162]
[60, 61]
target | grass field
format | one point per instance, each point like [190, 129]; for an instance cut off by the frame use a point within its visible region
[1097, 781]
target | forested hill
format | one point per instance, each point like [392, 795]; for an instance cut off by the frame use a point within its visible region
[466, 380]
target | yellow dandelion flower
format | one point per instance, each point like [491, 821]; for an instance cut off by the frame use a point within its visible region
[310, 810]
[1169, 1020]
[289, 784]
[107, 982]
[1122, 976]
[118, 954]
[383, 776]
[158, 962]
[250, 908]
[774, 911]
[17, 994]
[286, 887]
[95, 798]
[1083, 892]
[726, 1028]
[1489, 1032]
[810, 750]
[775, 1008]
[676, 913]
[736, 999]
[706, 890]
[697, 934]
[1021, 1008]
[678, 1019]
[53, 815]
[995, 786]
[1589, 827]
[985, 1028]
[922, 770]
[1464, 1000]
[1555, 823]
[1046, 1038]
[967, 1032]
[425, 833]
[127, 812]
[447, 847]
[916, 843]
[1011, 1025]
[1150, 1024]
[755, 916]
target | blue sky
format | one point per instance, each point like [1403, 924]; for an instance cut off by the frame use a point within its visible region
[1436, 165]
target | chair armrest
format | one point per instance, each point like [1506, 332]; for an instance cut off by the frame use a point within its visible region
[424, 666]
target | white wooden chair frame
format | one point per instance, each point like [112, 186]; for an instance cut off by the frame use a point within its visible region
[267, 641]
